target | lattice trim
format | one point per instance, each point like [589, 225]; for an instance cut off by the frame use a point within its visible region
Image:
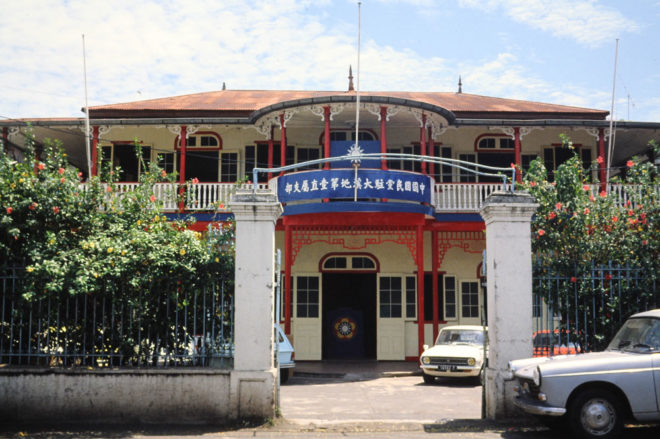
[469, 242]
[353, 239]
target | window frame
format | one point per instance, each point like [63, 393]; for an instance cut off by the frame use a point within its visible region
[447, 304]
[197, 135]
[352, 135]
[391, 304]
[471, 306]
[585, 153]
[307, 305]
[221, 173]
[102, 159]
[349, 263]
[497, 141]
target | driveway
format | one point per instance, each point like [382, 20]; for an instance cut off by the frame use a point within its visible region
[342, 392]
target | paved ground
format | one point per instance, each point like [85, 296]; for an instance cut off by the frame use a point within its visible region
[341, 392]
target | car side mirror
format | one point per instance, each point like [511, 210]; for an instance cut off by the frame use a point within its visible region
[425, 347]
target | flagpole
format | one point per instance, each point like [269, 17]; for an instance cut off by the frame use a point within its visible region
[610, 141]
[89, 161]
[357, 106]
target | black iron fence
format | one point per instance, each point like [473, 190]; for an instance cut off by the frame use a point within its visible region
[582, 311]
[164, 326]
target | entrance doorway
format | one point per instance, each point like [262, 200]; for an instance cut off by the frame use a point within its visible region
[349, 316]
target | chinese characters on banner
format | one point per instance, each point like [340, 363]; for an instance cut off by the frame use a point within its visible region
[341, 183]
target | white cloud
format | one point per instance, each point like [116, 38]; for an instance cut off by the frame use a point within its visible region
[585, 21]
[171, 48]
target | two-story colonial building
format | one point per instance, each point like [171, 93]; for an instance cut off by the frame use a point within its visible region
[377, 255]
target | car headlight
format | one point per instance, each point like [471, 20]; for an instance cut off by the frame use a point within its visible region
[471, 361]
[536, 377]
[426, 360]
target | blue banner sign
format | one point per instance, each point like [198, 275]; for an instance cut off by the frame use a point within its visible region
[340, 184]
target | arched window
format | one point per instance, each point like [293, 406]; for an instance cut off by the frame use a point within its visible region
[361, 262]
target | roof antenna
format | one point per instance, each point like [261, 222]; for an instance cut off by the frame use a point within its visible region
[350, 78]
[224, 87]
[460, 84]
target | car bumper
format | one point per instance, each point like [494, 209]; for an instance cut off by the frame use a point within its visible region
[455, 371]
[534, 407]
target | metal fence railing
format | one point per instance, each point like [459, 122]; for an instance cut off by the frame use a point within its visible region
[583, 311]
[165, 327]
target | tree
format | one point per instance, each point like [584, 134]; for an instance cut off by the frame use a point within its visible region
[603, 248]
[87, 241]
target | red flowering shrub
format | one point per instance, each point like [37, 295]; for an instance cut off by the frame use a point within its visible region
[575, 231]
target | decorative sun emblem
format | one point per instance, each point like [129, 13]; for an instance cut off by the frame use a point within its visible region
[355, 153]
[345, 328]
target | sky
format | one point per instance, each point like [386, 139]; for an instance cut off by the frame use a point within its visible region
[555, 51]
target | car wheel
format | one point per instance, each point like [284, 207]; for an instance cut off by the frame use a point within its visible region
[596, 414]
[284, 375]
[428, 379]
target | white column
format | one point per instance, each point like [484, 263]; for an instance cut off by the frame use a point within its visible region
[509, 276]
[253, 377]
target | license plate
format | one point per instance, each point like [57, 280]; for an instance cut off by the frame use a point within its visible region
[446, 368]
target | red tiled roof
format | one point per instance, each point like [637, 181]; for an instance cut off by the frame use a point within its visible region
[247, 101]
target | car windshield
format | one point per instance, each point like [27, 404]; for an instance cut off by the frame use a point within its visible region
[468, 336]
[639, 334]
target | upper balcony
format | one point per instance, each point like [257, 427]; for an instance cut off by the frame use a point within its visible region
[445, 197]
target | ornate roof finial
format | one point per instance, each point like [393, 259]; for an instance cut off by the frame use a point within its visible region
[460, 84]
[350, 78]
[224, 87]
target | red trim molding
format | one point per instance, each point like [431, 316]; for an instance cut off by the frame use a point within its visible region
[355, 219]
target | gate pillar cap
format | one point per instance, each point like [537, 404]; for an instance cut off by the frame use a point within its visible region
[255, 205]
[503, 197]
[508, 206]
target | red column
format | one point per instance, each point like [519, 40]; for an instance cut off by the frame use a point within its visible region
[182, 168]
[434, 271]
[518, 155]
[601, 153]
[95, 151]
[270, 153]
[326, 135]
[282, 142]
[288, 260]
[422, 142]
[420, 288]
[432, 154]
[383, 136]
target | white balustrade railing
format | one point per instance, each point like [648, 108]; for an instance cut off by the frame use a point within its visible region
[213, 196]
[447, 197]
[201, 196]
[462, 197]
[624, 193]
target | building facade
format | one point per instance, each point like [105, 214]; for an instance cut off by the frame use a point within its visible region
[381, 248]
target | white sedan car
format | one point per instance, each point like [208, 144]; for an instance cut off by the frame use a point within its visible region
[458, 352]
[284, 355]
[597, 392]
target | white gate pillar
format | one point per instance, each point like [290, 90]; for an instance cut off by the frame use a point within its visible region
[252, 391]
[509, 277]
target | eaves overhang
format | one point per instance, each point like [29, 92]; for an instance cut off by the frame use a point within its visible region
[458, 122]
[556, 123]
[367, 99]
